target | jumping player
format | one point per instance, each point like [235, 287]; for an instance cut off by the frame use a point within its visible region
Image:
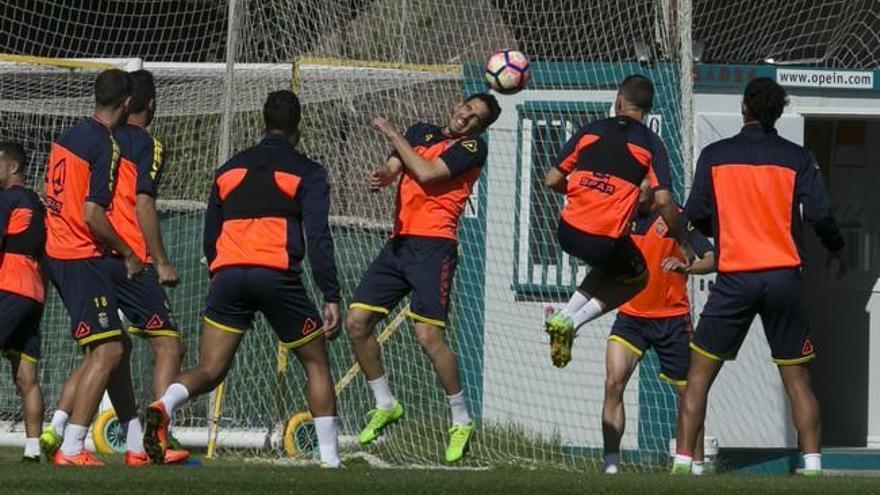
[600, 170]
[437, 167]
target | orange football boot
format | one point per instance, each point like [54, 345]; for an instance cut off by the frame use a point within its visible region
[156, 431]
[83, 459]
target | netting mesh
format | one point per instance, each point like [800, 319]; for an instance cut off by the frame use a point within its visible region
[396, 58]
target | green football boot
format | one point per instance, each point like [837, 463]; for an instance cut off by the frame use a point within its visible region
[560, 328]
[459, 439]
[379, 419]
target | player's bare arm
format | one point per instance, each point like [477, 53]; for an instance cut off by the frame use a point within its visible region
[700, 266]
[95, 217]
[385, 175]
[148, 219]
[424, 171]
[556, 181]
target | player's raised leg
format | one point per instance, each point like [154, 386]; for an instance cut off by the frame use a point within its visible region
[26, 379]
[621, 359]
[218, 347]
[618, 275]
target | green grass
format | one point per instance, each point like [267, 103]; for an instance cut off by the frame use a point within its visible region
[246, 478]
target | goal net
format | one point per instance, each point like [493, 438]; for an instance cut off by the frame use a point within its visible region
[408, 60]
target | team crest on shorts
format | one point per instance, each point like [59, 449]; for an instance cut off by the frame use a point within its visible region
[309, 326]
[82, 330]
[103, 320]
[807, 349]
[155, 323]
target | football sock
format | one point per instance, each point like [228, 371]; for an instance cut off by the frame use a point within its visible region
[588, 312]
[325, 428]
[813, 462]
[459, 410]
[382, 393]
[134, 437]
[576, 302]
[612, 463]
[32, 447]
[174, 396]
[59, 421]
[74, 439]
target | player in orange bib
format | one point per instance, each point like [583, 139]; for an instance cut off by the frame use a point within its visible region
[658, 317]
[80, 180]
[436, 167]
[22, 290]
[600, 170]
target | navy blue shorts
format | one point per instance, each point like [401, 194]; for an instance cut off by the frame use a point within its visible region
[237, 293]
[89, 296]
[669, 337]
[778, 296]
[143, 301]
[619, 258]
[423, 266]
[20, 333]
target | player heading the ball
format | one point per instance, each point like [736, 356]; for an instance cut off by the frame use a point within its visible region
[436, 168]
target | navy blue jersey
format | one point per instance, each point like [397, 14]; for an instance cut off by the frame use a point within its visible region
[268, 205]
[748, 193]
[605, 163]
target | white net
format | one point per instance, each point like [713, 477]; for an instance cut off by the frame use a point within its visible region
[409, 60]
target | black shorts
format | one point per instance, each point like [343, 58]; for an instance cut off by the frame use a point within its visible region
[143, 301]
[424, 266]
[777, 295]
[237, 293]
[619, 258]
[668, 336]
[20, 333]
[88, 294]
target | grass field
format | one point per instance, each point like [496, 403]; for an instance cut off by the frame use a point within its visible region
[245, 478]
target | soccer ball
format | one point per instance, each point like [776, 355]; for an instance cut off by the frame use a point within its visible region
[507, 71]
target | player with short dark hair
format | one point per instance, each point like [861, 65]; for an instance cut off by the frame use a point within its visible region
[269, 205]
[437, 167]
[600, 171]
[750, 193]
[80, 178]
[22, 287]
[659, 317]
[134, 216]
